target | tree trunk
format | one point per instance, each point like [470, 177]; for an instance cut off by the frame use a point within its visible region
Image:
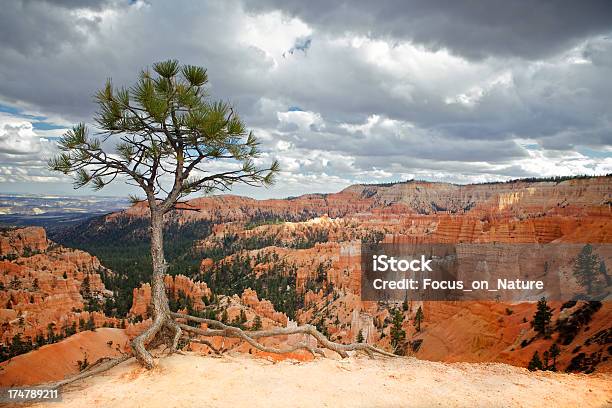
[159, 299]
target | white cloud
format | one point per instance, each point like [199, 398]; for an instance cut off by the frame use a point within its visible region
[273, 33]
[303, 120]
[546, 164]
[18, 137]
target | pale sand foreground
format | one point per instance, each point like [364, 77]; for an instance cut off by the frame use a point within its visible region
[235, 381]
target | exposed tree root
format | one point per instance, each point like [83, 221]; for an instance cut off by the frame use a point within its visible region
[145, 338]
[99, 367]
[205, 342]
[221, 329]
[159, 333]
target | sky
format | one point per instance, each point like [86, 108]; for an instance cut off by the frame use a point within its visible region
[339, 92]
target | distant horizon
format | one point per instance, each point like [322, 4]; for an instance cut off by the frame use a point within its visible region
[380, 184]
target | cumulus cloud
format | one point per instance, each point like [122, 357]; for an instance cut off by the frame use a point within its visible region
[24, 152]
[17, 137]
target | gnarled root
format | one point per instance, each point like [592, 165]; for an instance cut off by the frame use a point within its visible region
[221, 329]
[166, 330]
[163, 330]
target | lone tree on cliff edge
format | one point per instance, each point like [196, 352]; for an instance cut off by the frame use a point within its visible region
[164, 135]
[167, 134]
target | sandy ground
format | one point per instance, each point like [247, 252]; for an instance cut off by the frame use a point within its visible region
[237, 380]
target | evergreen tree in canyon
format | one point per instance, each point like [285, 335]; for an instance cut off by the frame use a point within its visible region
[554, 352]
[398, 335]
[164, 135]
[535, 363]
[418, 319]
[587, 270]
[542, 317]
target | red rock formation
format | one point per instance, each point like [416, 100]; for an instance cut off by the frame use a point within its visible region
[17, 242]
[263, 308]
[41, 293]
[175, 285]
[572, 211]
[584, 197]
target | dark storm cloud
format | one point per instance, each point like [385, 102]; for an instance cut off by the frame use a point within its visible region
[77, 4]
[475, 29]
[59, 69]
[31, 26]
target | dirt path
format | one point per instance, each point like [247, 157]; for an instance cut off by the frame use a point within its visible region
[236, 381]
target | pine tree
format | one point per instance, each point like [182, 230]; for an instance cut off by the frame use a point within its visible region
[257, 323]
[542, 317]
[168, 133]
[545, 359]
[17, 345]
[418, 318]
[85, 288]
[360, 338]
[554, 352]
[586, 270]
[51, 333]
[109, 307]
[397, 332]
[91, 324]
[405, 304]
[535, 363]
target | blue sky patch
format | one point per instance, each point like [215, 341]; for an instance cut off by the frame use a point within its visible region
[38, 122]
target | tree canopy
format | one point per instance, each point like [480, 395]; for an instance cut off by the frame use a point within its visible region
[168, 131]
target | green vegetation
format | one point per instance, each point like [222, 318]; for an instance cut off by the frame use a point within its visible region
[277, 284]
[83, 364]
[418, 318]
[541, 319]
[232, 243]
[256, 323]
[556, 179]
[548, 362]
[398, 335]
[535, 363]
[590, 271]
[19, 345]
[122, 245]
[554, 352]
[256, 222]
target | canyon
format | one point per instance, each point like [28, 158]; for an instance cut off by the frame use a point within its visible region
[46, 288]
[298, 260]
